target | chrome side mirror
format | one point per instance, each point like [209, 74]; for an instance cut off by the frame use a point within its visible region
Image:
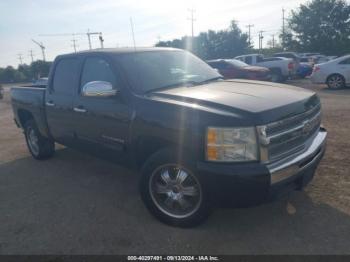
[98, 89]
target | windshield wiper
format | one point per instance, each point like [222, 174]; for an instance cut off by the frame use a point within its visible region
[211, 80]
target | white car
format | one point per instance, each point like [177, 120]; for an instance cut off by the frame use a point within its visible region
[335, 73]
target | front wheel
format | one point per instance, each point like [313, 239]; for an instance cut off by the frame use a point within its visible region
[335, 81]
[172, 190]
[40, 147]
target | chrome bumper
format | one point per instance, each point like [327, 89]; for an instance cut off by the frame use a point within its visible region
[292, 167]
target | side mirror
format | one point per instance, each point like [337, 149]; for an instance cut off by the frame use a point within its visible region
[98, 89]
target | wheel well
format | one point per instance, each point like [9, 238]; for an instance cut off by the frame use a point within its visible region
[24, 116]
[147, 147]
[276, 70]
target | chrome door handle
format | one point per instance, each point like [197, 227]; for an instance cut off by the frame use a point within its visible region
[79, 110]
[50, 103]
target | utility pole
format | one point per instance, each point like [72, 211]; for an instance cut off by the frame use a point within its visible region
[273, 41]
[89, 38]
[42, 47]
[20, 59]
[101, 39]
[283, 29]
[260, 39]
[31, 55]
[192, 19]
[74, 41]
[249, 39]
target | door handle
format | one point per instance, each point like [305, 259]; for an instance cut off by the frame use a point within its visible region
[79, 110]
[50, 103]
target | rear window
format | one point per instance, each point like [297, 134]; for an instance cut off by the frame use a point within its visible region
[66, 76]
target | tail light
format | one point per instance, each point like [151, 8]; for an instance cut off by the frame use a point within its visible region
[291, 66]
[316, 68]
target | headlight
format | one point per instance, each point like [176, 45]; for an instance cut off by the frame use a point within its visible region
[231, 144]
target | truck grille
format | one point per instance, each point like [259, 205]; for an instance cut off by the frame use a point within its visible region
[288, 136]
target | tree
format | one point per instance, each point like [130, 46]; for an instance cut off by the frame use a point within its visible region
[320, 26]
[226, 43]
[25, 73]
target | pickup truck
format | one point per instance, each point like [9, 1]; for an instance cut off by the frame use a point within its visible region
[281, 69]
[196, 139]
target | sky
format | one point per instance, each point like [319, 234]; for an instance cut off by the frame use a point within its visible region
[23, 20]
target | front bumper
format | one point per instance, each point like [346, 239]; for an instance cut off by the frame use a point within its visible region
[253, 183]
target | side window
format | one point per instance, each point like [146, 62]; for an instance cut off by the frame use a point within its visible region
[248, 60]
[259, 59]
[345, 62]
[66, 76]
[97, 69]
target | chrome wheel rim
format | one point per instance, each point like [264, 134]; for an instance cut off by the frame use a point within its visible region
[33, 141]
[335, 82]
[175, 191]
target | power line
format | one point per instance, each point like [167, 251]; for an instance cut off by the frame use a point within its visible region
[192, 19]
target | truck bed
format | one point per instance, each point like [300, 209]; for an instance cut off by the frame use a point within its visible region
[29, 100]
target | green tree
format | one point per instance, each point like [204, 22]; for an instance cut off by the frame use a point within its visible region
[320, 26]
[226, 43]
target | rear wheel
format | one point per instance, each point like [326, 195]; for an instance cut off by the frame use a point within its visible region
[172, 190]
[40, 147]
[335, 81]
[276, 77]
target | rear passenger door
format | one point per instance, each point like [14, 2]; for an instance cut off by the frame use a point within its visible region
[101, 121]
[61, 90]
[344, 69]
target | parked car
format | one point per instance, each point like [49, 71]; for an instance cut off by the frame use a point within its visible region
[41, 81]
[304, 70]
[281, 69]
[1, 92]
[232, 68]
[194, 137]
[292, 55]
[335, 73]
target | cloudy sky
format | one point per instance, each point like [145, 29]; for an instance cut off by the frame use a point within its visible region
[23, 20]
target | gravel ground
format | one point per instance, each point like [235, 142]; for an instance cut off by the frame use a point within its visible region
[77, 204]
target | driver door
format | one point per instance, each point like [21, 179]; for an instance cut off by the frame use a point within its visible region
[101, 120]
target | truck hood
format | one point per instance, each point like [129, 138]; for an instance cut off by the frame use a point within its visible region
[266, 102]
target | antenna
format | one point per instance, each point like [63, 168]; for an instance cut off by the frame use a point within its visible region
[192, 19]
[132, 32]
[42, 47]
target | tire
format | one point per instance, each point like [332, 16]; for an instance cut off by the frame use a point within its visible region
[184, 204]
[276, 77]
[335, 81]
[39, 147]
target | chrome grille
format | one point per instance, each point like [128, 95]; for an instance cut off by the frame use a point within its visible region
[288, 136]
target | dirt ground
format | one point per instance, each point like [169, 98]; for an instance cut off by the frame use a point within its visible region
[77, 204]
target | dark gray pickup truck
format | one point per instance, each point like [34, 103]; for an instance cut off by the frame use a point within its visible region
[197, 140]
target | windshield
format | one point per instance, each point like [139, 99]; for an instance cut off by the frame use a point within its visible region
[237, 63]
[151, 70]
